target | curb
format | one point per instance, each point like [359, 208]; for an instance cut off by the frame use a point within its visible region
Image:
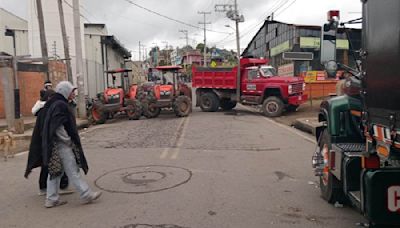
[306, 126]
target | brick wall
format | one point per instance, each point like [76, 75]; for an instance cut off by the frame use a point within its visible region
[30, 84]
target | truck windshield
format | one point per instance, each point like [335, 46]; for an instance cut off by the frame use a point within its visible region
[268, 72]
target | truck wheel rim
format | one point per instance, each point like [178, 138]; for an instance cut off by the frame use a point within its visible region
[206, 102]
[325, 171]
[272, 107]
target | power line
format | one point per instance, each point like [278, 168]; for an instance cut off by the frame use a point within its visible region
[170, 18]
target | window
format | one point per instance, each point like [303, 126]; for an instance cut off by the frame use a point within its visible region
[252, 75]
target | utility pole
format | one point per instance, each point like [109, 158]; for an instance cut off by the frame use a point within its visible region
[205, 37]
[65, 40]
[185, 32]
[79, 60]
[233, 14]
[43, 43]
[140, 52]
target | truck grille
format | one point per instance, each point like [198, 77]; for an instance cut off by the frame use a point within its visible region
[297, 88]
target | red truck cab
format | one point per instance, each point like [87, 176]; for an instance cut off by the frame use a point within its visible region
[259, 85]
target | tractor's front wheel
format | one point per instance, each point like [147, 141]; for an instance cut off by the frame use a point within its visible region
[150, 109]
[182, 106]
[98, 115]
[134, 109]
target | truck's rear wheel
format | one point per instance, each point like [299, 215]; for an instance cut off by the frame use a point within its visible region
[150, 109]
[134, 109]
[227, 104]
[98, 115]
[272, 107]
[182, 106]
[209, 102]
[331, 188]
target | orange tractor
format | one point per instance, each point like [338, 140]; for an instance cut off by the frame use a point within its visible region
[116, 99]
[171, 94]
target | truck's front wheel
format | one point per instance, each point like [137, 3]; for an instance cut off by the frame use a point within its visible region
[272, 107]
[331, 189]
[209, 102]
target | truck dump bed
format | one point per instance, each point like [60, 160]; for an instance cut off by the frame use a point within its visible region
[214, 78]
[381, 41]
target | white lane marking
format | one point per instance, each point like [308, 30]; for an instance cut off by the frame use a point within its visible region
[181, 139]
[294, 131]
[164, 154]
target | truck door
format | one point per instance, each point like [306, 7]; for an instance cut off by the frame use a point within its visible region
[252, 84]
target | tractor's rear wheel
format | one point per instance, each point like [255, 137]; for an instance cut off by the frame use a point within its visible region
[150, 109]
[134, 109]
[331, 187]
[227, 104]
[182, 106]
[98, 115]
[209, 102]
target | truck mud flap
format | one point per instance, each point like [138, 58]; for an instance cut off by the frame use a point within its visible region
[381, 194]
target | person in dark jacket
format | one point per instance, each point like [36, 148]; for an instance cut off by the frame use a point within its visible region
[36, 109]
[61, 147]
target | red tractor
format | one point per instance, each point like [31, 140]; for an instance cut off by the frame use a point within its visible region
[116, 99]
[170, 94]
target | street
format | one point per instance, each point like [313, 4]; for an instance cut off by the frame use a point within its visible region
[209, 170]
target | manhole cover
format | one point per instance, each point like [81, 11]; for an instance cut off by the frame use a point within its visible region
[143, 179]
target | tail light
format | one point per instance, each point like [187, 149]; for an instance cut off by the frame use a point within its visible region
[371, 162]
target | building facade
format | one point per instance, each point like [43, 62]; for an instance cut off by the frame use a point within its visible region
[275, 38]
[13, 34]
[103, 53]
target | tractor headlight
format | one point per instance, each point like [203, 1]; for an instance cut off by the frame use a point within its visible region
[290, 89]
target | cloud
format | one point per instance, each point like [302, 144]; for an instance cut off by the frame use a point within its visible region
[131, 24]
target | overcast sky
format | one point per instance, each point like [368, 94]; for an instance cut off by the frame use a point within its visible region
[131, 24]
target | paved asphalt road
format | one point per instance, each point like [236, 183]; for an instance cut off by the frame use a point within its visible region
[210, 170]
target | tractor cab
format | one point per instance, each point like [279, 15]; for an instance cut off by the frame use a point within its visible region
[114, 94]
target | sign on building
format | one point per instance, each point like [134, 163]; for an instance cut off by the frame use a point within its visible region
[298, 56]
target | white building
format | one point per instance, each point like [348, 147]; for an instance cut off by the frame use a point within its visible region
[52, 26]
[103, 53]
[17, 29]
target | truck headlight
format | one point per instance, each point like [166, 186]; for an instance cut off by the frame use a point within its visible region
[304, 86]
[290, 89]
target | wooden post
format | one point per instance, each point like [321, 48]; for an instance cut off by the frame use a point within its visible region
[42, 32]
[65, 40]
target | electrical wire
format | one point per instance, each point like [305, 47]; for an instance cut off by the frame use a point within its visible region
[170, 18]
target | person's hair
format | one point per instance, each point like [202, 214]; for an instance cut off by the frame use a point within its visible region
[48, 94]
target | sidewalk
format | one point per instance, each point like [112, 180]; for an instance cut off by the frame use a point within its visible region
[23, 140]
[304, 119]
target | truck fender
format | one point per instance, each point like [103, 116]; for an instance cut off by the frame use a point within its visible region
[271, 91]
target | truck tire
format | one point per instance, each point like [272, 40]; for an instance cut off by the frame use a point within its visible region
[97, 113]
[272, 107]
[331, 187]
[182, 106]
[133, 109]
[150, 110]
[209, 102]
[227, 104]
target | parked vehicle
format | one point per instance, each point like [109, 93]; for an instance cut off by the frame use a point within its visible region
[116, 99]
[357, 158]
[171, 94]
[259, 85]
